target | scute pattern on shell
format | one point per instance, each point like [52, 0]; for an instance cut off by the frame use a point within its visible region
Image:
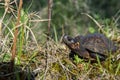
[90, 45]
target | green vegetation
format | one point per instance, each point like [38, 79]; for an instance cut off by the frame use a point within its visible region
[50, 58]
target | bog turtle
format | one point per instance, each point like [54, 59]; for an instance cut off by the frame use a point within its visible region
[90, 46]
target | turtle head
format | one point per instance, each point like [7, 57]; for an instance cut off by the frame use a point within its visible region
[72, 43]
[75, 45]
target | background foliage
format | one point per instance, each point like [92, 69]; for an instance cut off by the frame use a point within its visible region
[72, 17]
[67, 17]
[66, 14]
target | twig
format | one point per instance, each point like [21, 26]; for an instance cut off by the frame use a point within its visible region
[39, 20]
[49, 16]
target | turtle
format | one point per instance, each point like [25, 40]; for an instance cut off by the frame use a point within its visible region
[90, 46]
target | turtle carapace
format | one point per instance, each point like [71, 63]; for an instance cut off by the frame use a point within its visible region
[90, 46]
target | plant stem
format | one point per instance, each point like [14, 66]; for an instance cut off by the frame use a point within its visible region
[14, 48]
[49, 16]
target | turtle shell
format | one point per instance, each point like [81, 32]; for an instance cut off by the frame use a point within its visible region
[90, 46]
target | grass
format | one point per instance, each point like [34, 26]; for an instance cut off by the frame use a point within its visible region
[50, 59]
[60, 66]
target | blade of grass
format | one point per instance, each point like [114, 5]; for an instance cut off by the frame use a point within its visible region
[117, 69]
[55, 33]
[21, 42]
[99, 63]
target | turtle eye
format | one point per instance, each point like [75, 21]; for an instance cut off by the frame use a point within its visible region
[71, 40]
[68, 40]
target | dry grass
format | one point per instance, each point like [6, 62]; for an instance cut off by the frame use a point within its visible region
[55, 64]
[50, 59]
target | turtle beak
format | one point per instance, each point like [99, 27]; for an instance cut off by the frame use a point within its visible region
[67, 39]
